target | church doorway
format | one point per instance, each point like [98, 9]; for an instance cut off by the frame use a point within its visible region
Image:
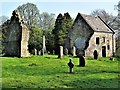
[103, 51]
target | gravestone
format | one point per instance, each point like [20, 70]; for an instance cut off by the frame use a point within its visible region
[53, 51]
[39, 52]
[74, 51]
[44, 47]
[81, 61]
[17, 36]
[61, 52]
[112, 58]
[80, 45]
[35, 51]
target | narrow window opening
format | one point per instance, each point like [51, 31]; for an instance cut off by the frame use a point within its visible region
[103, 39]
[108, 47]
[97, 40]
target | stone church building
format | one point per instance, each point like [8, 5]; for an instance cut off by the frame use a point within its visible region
[89, 33]
[17, 36]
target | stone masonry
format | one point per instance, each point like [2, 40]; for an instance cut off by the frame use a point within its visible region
[89, 34]
[17, 37]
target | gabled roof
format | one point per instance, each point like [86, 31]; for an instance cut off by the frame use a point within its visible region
[96, 23]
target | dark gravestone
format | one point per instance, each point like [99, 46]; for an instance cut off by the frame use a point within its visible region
[111, 58]
[71, 65]
[42, 51]
[95, 54]
[81, 60]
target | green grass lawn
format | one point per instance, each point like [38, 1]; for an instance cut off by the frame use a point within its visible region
[50, 72]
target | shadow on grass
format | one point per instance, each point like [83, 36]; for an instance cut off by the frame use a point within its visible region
[69, 73]
[96, 71]
[80, 66]
[37, 70]
[48, 57]
[93, 83]
[32, 70]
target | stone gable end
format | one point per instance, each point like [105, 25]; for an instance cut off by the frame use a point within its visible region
[17, 37]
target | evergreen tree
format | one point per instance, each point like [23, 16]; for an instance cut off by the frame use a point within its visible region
[58, 27]
[62, 26]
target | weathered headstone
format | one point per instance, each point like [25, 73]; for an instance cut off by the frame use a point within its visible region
[17, 36]
[74, 51]
[61, 52]
[39, 52]
[44, 47]
[35, 51]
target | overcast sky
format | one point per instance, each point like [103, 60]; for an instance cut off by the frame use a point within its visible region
[62, 6]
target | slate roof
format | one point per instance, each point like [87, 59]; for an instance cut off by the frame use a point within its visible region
[96, 23]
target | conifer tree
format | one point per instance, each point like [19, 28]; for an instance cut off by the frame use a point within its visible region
[60, 31]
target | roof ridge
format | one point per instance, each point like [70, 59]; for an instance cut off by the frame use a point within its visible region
[96, 23]
[106, 24]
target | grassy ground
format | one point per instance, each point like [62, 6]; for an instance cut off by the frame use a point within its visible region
[50, 72]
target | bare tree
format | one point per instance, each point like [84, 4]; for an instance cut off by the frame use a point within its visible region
[47, 21]
[30, 14]
[3, 19]
[118, 29]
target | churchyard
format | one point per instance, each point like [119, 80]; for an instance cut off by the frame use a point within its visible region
[71, 53]
[49, 71]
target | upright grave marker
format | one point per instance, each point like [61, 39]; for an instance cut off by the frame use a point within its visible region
[44, 47]
[74, 51]
[61, 52]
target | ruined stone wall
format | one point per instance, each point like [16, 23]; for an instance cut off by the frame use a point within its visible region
[24, 42]
[17, 36]
[93, 46]
[12, 46]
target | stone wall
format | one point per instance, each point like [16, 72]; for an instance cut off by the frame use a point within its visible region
[79, 35]
[17, 36]
[24, 41]
[83, 37]
[108, 41]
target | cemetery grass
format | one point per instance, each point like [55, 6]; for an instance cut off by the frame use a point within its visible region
[50, 72]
